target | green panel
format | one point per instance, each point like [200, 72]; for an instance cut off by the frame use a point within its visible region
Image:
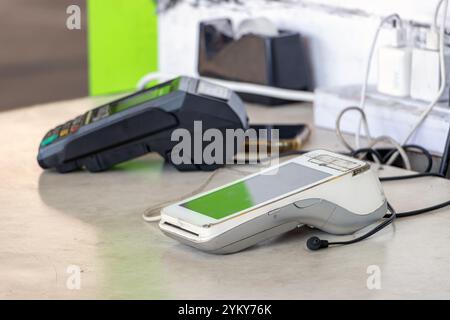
[122, 43]
[223, 202]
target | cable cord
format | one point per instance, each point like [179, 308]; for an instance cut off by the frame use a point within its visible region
[315, 243]
[422, 210]
[152, 214]
[442, 4]
[436, 14]
[373, 141]
[379, 227]
[362, 101]
[242, 87]
[411, 176]
[424, 151]
[378, 158]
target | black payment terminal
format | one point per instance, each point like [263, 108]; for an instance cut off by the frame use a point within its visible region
[140, 123]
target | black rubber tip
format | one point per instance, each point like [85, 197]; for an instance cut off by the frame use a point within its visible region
[315, 243]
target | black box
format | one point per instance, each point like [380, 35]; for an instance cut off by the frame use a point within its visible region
[278, 61]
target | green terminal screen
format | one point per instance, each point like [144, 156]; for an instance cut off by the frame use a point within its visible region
[145, 96]
[256, 190]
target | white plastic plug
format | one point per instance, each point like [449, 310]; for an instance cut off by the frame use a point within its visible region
[425, 68]
[394, 63]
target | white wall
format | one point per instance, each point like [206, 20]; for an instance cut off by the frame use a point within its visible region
[338, 32]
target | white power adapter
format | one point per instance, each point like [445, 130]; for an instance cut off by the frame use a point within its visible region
[394, 63]
[425, 69]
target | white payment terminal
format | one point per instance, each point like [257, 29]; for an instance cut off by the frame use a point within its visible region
[332, 192]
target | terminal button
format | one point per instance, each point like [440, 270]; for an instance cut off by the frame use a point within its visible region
[76, 124]
[57, 129]
[74, 128]
[65, 129]
[49, 140]
[64, 132]
[48, 134]
[51, 136]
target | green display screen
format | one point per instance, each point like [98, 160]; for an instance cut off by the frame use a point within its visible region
[144, 96]
[253, 191]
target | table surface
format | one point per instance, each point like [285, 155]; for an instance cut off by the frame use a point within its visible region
[51, 222]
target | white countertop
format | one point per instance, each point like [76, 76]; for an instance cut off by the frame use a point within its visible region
[50, 221]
